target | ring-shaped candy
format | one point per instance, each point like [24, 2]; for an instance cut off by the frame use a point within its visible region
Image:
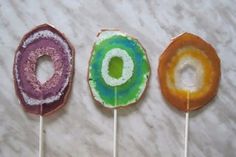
[36, 97]
[189, 51]
[131, 83]
[128, 67]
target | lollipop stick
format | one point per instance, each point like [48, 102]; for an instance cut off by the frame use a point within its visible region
[115, 126]
[115, 133]
[186, 128]
[41, 136]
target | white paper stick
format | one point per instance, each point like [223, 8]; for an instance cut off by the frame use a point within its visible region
[41, 136]
[186, 128]
[115, 127]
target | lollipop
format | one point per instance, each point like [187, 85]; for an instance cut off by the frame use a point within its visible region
[188, 57]
[36, 97]
[118, 71]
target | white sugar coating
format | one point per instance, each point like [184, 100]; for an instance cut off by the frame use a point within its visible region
[107, 34]
[16, 70]
[33, 101]
[95, 92]
[196, 79]
[47, 34]
[43, 34]
[128, 67]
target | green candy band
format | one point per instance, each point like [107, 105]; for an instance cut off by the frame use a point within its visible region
[118, 70]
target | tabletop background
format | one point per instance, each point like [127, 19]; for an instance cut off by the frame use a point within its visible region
[150, 128]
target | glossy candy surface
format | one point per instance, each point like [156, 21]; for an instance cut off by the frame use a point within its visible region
[36, 97]
[118, 69]
[189, 52]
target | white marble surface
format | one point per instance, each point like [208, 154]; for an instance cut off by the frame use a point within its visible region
[150, 128]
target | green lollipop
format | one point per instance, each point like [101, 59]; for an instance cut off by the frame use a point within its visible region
[118, 70]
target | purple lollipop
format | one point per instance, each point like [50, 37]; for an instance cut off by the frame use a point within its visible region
[36, 97]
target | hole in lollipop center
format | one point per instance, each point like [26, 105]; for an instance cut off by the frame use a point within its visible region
[44, 68]
[115, 67]
[188, 77]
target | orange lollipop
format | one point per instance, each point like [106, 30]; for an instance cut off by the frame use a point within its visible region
[189, 52]
[189, 74]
